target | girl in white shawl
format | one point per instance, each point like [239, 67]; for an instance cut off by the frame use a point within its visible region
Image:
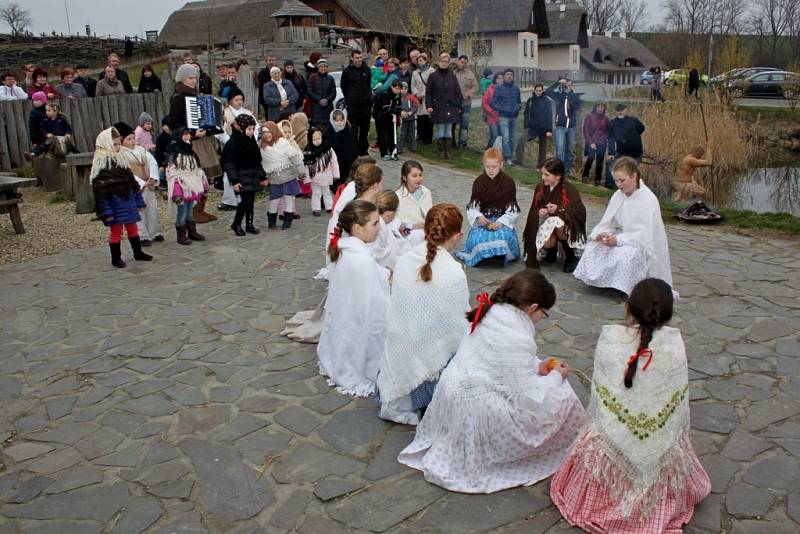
[629, 243]
[500, 417]
[429, 299]
[282, 163]
[633, 468]
[354, 329]
[305, 326]
[142, 165]
[391, 243]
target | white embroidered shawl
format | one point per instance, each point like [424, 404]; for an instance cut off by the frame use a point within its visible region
[426, 321]
[280, 157]
[635, 432]
[105, 156]
[636, 221]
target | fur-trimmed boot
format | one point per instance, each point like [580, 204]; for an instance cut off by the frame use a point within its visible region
[448, 146]
[199, 212]
[116, 255]
[183, 239]
[136, 245]
[440, 144]
[191, 226]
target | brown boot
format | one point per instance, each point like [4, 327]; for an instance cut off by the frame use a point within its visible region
[191, 227]
[199, 212]
[183, 239]
[448, 145]
[440, 144]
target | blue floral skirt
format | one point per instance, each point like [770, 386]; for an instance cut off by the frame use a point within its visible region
[483, 243]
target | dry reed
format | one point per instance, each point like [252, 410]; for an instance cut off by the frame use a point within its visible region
[675, 127]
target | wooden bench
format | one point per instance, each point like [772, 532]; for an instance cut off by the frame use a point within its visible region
[10, 199]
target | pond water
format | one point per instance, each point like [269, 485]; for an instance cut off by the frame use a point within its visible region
[763, 190]
[767, 190]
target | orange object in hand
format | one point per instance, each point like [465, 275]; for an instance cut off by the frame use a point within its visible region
[552, 363]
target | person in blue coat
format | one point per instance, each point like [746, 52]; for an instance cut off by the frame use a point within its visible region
[507, 101]
[280, 96]
[538, 117]
[117, 194]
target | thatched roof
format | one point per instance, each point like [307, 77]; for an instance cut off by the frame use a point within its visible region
[611, 54]
[248, 20]
[568, 25]
[295, 8]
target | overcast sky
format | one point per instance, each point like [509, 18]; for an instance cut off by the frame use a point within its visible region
[128, 17]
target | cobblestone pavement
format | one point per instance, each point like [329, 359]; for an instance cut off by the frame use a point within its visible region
[162, 398]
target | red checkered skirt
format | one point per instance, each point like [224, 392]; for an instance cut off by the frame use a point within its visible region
[587, 504]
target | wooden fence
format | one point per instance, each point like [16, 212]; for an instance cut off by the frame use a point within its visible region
[88, 117]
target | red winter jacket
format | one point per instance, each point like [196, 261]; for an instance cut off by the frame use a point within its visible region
[492, 116]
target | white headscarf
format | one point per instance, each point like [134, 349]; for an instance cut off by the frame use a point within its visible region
[105, 156]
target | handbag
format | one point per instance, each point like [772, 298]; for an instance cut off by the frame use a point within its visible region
[219, 184]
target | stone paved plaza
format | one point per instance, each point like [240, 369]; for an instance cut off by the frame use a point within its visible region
[162, 398]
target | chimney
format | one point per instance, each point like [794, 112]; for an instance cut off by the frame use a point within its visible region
[589, 32]
[562, 8]
[623, 35]
[609, 33]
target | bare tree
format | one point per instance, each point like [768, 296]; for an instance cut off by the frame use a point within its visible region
[793, 31]
[687, 16]
[417, 28]
[604, 15]
[632, 15]
[771, 18]
[16, 17]
[451, 19]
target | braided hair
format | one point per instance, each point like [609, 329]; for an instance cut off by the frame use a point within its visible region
[355, 212]
[442, 222]
[650, 305]
[521, 289]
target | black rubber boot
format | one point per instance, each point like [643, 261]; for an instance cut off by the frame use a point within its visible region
[237, 229]
[116, 255]
[183, 239]
[287, 220]
[570, 261]
[136, 245]
[251, 229]
[191, 226]
[272, 221]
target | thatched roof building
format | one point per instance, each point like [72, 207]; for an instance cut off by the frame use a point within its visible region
[215, 21]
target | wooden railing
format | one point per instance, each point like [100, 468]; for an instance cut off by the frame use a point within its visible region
[297, 34]
[88, 117]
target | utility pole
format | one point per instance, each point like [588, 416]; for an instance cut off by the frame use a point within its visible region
[710, 52]
[66, 10]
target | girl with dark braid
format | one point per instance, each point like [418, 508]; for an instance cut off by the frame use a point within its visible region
[353, 335]
[429, 299]
[633, 468]
[500, 417]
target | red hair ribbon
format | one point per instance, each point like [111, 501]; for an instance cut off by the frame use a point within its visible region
[642, 353]
[334, 240]
[483, 301]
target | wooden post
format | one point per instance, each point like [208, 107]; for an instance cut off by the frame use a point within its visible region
[5, 157]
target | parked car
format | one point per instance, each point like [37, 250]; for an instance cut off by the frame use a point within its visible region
[740, 73]
[646, 78]
[681, 77]
[764, 84]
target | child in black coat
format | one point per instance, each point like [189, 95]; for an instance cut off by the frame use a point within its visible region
[386, 108]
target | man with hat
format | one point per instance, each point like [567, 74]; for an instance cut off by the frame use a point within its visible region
[322, 91]
[84, 78]
[624, 139]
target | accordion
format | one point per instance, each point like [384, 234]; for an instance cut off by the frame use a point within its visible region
[204, 111]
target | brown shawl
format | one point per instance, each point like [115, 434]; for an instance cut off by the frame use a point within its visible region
[494, 196]
[570, 209]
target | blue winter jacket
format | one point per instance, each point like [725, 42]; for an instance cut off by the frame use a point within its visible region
[507, 100]
[567, 107]
[123, 211]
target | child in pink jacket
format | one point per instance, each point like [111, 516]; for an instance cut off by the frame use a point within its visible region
[322, 168]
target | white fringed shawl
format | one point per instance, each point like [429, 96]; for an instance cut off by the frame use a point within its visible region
[105, 156]
[635, 436]
[426, 321]
[280, 158]
[636, 221]
[494, 422]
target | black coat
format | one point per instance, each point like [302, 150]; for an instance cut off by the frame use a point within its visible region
[321, 87]
[443, 94]
[149, 85]
[88, 83]
[356, 85]
[625, 137]
[241, 160]
[177, 106]
[299, 83]
[538, 115]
